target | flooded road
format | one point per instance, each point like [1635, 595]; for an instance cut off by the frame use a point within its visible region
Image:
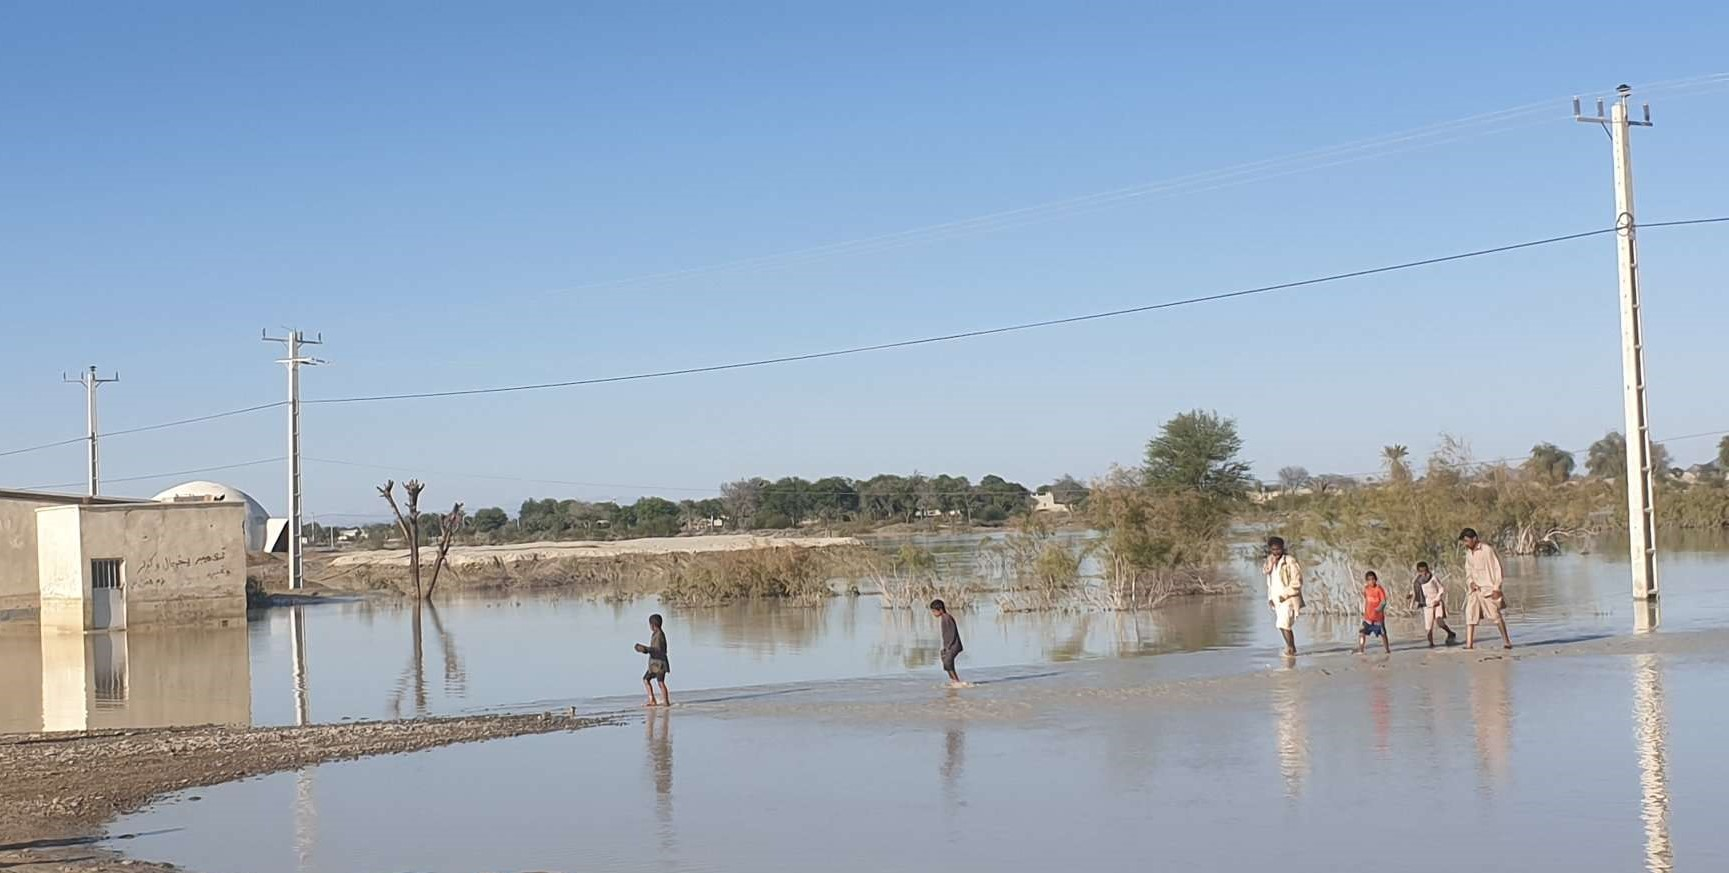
[380, 660]
[1567, 757]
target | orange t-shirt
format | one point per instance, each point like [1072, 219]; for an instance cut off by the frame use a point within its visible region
[1375, 605]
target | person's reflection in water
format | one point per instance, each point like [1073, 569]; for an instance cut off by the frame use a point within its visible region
[954, 760]
[658, 725]
[1381, 711]
[1492, 713]
[1293, 735]
[1651, 729]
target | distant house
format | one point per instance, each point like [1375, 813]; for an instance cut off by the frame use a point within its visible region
[1701, 473]
[1047, 502]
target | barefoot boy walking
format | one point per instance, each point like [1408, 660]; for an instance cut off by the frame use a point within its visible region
[657, 663]
[1374, 614]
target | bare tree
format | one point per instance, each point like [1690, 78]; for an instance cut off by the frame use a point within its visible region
[448, 525]
[408, 523]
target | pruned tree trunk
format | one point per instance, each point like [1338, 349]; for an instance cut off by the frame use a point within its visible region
[448, 525]
[408, 522]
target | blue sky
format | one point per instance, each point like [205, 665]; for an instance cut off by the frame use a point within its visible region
[452, 196]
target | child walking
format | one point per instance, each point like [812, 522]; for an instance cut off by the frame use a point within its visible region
[951, 641]
[657, 663]
[1429, 596]
[1374, 613]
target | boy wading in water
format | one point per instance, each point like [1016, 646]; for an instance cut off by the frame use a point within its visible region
[657, 664]
[1430, 598]
[1374, 614]
[951, 642]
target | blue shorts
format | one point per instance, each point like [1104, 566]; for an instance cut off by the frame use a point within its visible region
[1374, 629]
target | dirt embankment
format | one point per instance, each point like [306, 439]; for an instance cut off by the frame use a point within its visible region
[60, 789]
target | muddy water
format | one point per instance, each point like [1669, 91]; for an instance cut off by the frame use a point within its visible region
[1431, 762]
[371, 660]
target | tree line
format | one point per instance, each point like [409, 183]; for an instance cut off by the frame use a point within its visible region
[785, 503]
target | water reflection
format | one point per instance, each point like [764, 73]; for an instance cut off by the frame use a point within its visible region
[1651, 729]
[297, 643]
[1292, 734]
[658, 728]
[954, 760]
[1646, 616]
[1492, 712]
[411, 683]
[137, 679]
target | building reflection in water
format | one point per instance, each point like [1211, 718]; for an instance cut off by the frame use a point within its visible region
[145, 678]
[1650, 725]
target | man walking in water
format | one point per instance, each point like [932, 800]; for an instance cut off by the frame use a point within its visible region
[1284, 591]
[1483, 588]
[951, 641]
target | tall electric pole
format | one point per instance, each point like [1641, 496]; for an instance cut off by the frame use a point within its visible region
[292, 342]
[91, 382]
[1641, 516]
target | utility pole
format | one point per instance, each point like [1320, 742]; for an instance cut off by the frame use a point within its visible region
[1641, 478]
[91, 382]
[292, 342]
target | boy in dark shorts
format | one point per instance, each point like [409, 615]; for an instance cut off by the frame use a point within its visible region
[951, 641]
[1374, 613]
[657, 663]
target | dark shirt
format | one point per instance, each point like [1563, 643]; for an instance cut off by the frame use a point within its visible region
[951, 635]
[657, 647]
[1417, 587]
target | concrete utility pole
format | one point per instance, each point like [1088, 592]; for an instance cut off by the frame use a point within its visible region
[1641, 516]
[293, 341]
[91, 382]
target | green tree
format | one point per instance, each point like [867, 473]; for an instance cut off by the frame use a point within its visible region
[1197, 452]
[789, 497]
[654, 516]
[1607, 458]
[1723, 455]
[1549, 463]
[490, 519]
[835, 498]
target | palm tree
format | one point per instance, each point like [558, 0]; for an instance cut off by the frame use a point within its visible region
[1398, 470]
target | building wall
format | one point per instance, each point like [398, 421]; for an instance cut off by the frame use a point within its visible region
[184, 563]
[61, 569]
[18, 553]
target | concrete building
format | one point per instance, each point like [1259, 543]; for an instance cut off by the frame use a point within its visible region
[1047, 502]
[82, 563]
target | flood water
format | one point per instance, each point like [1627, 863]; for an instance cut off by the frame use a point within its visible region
[1590, 763]
[367, 659]
[823, 739]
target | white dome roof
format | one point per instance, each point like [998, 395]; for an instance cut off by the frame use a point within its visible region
[257, 520]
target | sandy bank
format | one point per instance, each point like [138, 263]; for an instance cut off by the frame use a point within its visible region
[60, 789]
[475, 556]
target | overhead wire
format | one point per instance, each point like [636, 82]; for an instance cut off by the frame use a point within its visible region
[163, 475]
[984, 332]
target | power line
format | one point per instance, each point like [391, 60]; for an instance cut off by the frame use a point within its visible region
[974, 334]
[164, 475]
